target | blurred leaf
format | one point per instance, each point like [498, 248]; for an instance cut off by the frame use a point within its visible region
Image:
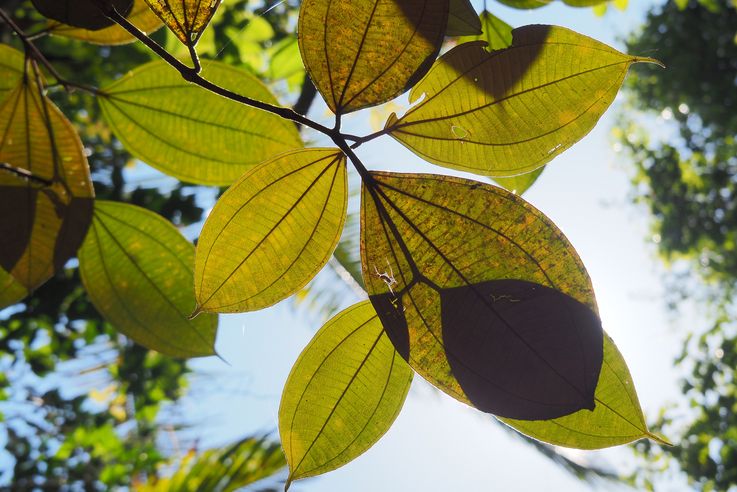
[11, 69]
[11, 291]
[137, 270]
[496, 33]
[342, 395]
[554, 86]
[82, 13]
[44, 180]
[185, 18]
[189, 132]
[272, 231]
[525, 4]
[140, 16]
[521, 183]
[462, 19]
[360, 54]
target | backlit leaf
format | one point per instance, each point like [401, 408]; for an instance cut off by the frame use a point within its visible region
[342, 395]
[44, 181]
[189, 132]
[11, 291]
[511, 111]
[496, 32]
[462, 19]
[360, 54]
[272, 231]
[186, 18]
[140, 16]
[525, 4]
[84, 14]
[521, 183]
[11, 69]
[137, 269]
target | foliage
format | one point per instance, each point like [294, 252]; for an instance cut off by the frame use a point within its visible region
[686, 174]
[473, 287]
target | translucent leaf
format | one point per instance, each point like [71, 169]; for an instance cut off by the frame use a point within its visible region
[525, 4]
[511, 111]
[11, 291]
[521, 183]
[137, 270]
[496, 32]
[189, 132]
[360, 54]
[11, 69]
[85, 14]
[462, 19]
[342, 395]
[44, 180]
[482, 295]
[272, 231]
[140, 16]
[187, 19]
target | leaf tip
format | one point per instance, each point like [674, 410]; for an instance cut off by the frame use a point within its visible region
[659, 439]
[647, 59]
[195, 313]
[288, 483]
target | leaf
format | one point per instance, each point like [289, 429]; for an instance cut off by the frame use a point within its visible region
[189, 132]
[85, 14]
[186, 18]
[617, 419]
[11, 291]
[484, 297]
[343, 393]
[44, 180]
[521, 183]
[222, 470]
[272, 231]
[361, 54]
[525, 4]
[511, 111]
[462, 19]
[140, 16]
[496, 32]
[137, 270]
[11, 69]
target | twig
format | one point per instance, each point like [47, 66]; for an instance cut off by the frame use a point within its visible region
[25, 174]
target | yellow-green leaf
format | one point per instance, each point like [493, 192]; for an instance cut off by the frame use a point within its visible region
[462, 19]
[11, 69]
[272, 231]
[140, 16]
[11, 291]
[511, 111]
[342, 395]
[525, 4]
[186, 18]
[360, 54]
[137, 269]
[44, 180]
[496, 32]
[189, 132]
[521, 183]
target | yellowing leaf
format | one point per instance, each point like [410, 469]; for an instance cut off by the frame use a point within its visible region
[496, 32]
[360, 54]
[85, 14]
[137, 270]
[272, 231]
[462, 19]
[186, 18]
[521, 183]
[44, 181]
[481, 293]
[140, 16]
[189, 132]
[11, 69]
[342, 395]
[511, 111]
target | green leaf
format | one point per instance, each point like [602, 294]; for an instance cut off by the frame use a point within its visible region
[187, 19]
[496, 33]
[525, 4]
[45, 180]
[360, 54]
[11, 291]
[140, 16]
[84, 14]
[189, 132]
[617, 419]
[554, 86]
[462, 19]
[342, 395]
[482, 295]
[11, 69]
[137, 270]
[521, 183]
[272, 231]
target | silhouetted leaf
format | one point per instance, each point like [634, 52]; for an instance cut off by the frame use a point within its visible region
[81, 13]
[137, 270]
[520, 183]
[189, 132]
[360, 54]
[44, 181]
[458, 272]
[272, 231]
[462, 19]
[496, 32]
[511, 111]
[140, 16]
[11, 69]
[187, 19]
[342, 395]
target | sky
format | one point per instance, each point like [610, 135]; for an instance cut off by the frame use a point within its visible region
[437, 443]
